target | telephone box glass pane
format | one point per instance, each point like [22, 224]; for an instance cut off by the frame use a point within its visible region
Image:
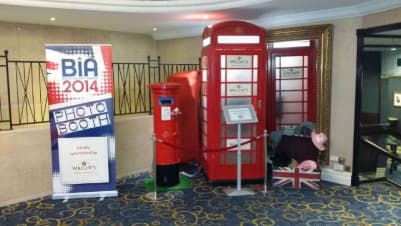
[223, 61]
[223, 75]
[291, 96]
[239, 61]
[246, 130]
[223, 90]
[255, 75]
[239, 75]
[277, 61]
[204, 101]
[255, 61]
[204, 62]
[239, 89]
[204, 88]
[291, 84]
[204, 75]
[289, 44]
[291, 119]
[234, 141]
[238, 39]
[291, 61]
[306, 72]
[292, 107]
[305, 84]
[278, 73]
[238, 101]
[255, 89]
[306, 58]
[292, 73]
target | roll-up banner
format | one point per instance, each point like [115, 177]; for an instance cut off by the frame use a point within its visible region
[80, 88]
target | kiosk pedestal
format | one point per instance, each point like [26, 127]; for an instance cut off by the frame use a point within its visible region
[239, 114]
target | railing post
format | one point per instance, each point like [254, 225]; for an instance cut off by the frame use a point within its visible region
[149, 92]
[200, 63]
[155, 69]
[8, 90]
[158, 68]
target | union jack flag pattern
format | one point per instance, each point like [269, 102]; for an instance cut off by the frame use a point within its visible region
[296, 177]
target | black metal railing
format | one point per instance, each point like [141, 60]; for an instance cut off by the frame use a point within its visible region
[28, 85]
[130, 91]
[23, 88]
[5, 109]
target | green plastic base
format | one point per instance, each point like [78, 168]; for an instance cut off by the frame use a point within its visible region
[185, 183]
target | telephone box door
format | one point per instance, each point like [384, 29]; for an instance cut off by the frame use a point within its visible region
[292, 87]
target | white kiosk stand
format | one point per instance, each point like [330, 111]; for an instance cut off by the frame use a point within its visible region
[239, 114]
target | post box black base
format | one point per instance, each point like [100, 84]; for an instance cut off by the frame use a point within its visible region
[167, 175]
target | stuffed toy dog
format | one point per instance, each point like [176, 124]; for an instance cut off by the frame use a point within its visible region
[304, 150]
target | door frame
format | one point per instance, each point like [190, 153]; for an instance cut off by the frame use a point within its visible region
[322, 36]
[361, 34]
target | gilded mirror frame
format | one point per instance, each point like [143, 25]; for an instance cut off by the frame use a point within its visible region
[322, 35]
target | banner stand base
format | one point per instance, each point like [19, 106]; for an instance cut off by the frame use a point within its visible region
[97, 194]
[235, 192]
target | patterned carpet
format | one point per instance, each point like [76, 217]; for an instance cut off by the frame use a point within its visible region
[370, 204]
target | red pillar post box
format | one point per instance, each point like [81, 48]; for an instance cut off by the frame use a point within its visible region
[165, 116]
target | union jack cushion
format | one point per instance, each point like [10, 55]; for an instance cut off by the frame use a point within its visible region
[296, 177]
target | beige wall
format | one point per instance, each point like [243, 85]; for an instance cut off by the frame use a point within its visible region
[183, 50]
[25, 164]
[383, 18]
[27, 42]
[25, 157]
[343, 88]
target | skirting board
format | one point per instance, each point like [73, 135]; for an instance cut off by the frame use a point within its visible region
[335, 176]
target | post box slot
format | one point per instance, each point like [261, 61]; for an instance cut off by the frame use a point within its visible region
[165, 101]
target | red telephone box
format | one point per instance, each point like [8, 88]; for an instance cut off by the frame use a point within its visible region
[233, 73]
[165, 112]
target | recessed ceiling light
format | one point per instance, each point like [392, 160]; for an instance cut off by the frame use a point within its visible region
[154, 29]
[53, 18]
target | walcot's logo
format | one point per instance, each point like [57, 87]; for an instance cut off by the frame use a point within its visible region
[239, 60]
[84, 167]
[79, 67]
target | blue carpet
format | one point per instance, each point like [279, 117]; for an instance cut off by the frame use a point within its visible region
[376, 203]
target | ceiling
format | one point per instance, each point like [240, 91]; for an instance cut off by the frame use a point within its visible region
[183, 18]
